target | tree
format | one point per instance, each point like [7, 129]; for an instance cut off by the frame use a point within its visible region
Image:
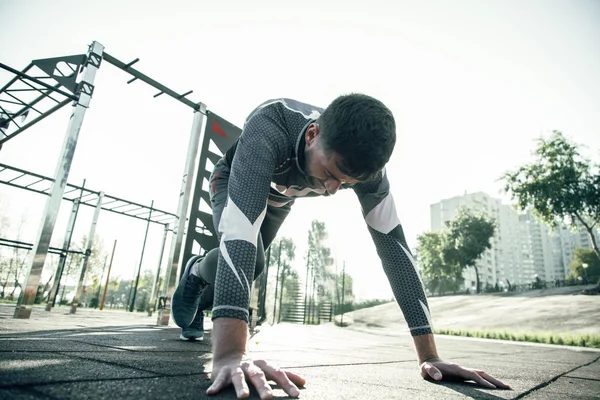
[582, 258]
[318, 265]
[438, 275]
[559, 186]
[468, 237]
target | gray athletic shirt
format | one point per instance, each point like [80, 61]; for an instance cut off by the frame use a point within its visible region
[265, 168]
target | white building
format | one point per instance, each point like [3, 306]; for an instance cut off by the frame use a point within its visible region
[522, 247]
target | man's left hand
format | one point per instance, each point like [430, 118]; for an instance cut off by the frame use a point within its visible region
[439, 370]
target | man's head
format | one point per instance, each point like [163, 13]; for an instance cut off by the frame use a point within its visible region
[350, 142]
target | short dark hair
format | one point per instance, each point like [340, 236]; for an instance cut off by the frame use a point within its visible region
[362, 131]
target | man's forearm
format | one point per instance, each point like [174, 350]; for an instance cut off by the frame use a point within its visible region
[229, 337]
[425, 347]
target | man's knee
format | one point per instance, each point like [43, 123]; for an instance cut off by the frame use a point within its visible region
[208, 265]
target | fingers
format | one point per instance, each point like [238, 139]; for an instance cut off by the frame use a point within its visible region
[286, 380]
[474, 376]
[219, 382]
[297, 379]
[428, 370]
[492, 380]
[239, 384]
[257, 376]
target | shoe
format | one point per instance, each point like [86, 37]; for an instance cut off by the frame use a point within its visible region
[184, 304]
[194, 332]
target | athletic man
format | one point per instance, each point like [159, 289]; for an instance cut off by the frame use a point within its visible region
[288, 150]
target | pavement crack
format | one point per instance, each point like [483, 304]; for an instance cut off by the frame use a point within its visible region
[347, 364]
[100, 345]
[544, 384]
[114, 364]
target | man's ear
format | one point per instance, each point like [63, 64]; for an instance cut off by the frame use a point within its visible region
[311, 133]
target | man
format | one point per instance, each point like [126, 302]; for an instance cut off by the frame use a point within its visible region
[288, 150]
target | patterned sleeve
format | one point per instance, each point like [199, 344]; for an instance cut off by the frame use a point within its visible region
[398, 263]
[257, 154]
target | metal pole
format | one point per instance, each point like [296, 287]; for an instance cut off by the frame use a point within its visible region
[61, 174]
[63, 255]
[108, 275]
[306, 286]
[277, 280]
[100, 281]
[164, 315]
[155, 285]
[343, 290]
[88, 252]
[137, 279]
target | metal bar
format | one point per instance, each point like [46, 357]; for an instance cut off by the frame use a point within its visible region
[33, 183]
[63, 258]
[33, 102]
[14, 246]
[38, 119]
[152, 82]
[39, 82]
[137, 279]
[19, 103]
[186, 93]
[38, 257]
[40, 90]
[14, 179]
[171, 280]
[86, 257]
[159, 219]
[14, 79]
[155, 284]
[108, 275]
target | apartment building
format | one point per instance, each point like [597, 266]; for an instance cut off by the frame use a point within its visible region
[522, 247]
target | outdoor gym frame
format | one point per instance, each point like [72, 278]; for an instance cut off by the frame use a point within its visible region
[72, 81]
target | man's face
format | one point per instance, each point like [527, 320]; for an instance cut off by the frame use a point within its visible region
[321, 168]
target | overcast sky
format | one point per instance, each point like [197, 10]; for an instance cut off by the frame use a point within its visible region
[472, 84]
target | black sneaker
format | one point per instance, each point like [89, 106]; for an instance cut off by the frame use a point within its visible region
[186, 298]
[194, 332]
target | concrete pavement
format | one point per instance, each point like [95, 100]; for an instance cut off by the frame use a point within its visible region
[99, 355]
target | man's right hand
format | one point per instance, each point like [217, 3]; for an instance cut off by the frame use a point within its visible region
[235, 371]
[232, 367]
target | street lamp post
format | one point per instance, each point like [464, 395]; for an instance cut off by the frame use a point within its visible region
[585, 267]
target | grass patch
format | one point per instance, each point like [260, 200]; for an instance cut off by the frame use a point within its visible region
[566, 340]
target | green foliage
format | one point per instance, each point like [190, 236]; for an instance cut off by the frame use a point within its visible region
[444, 255]
[468, 237]
[559, 186]
[590, 340]
[588, 257]
[320, 261]
[439, 276]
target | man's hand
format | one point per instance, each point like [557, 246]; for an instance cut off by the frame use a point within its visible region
[235, 371]
[232, 367]
[439, 370]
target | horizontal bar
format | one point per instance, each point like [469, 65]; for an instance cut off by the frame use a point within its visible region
[87, 193]
[150, 81]
[16, 78]
[131, 63]
[44, 84]
[38, 119]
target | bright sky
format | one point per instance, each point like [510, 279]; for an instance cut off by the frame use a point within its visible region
[471, 83]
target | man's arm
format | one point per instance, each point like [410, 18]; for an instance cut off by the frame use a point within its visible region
[258, 151]
[400, 267]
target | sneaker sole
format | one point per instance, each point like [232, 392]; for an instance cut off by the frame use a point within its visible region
[192, 339]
